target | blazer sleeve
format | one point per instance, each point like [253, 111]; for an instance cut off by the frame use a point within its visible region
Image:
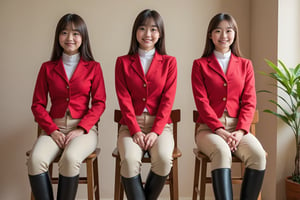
[98, 96]
[248, 100]
[167, 99]
[39, 103]
[206, 112]
[124, 98]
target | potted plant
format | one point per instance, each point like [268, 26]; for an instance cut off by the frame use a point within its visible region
[288, 110]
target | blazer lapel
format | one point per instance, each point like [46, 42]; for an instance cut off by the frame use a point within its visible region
[137, 66]
[214, 65]
[234, 60]
[155, 64]
[79, 69]
[59, 68]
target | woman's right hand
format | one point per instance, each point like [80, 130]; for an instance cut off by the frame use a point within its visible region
[139, 139]
[59, 138]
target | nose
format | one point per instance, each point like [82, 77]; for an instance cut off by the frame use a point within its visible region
[148, 32]
[69, 36]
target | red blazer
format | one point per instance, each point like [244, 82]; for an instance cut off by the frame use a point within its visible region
[214, 91]
[74, 94]
[155, 91]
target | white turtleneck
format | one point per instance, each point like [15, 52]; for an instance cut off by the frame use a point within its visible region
[70, 63]
[223, 59]
[146, 58]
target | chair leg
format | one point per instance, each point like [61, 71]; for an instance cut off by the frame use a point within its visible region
[196, 178]
[202, 180]
[96, 179]
[118, 194]
[174, 181]
[90, 189]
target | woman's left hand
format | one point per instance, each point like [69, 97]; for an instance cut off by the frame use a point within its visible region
[235, 139]
[150, 139]
[73, 134]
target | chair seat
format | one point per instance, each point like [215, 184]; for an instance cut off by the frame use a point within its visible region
[201, 155]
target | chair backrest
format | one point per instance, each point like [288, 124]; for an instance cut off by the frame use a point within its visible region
[175, 117]
[252, 127]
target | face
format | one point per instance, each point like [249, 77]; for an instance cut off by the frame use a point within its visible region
[70, 40]
[223, 36]
[147, 35]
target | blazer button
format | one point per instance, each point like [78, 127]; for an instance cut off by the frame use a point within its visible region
[144, 99]
[224, 98]
[225, 84]
[145, 85]
[67, 99]
[67, 87]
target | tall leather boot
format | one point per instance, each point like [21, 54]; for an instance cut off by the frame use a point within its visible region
[41, 186]
[134, 188]
[252, 183]
[67, 187]
[154, 185]
[221, 180]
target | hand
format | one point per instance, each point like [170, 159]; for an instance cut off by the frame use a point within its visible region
[235, 139]
[73, 134]
[223, 134]
[59, 138]
[150, 139]
[138, 138]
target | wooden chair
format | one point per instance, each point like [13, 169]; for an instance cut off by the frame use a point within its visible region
[91, 178]
[199, 156]
[172, 180]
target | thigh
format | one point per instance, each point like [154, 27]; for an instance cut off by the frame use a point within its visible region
[44, 151]
[164, 145]
[82, 146]
[126, 147]
[251, 152]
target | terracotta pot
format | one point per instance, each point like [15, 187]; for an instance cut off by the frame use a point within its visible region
[292, 189]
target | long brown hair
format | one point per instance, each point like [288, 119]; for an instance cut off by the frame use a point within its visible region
[80, 26]
[214, 22]
[139, 21]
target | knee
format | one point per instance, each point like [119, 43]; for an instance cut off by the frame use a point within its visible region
[37, 164]
[69, 165]
[130, 166]
[257, 160]
[162, 164]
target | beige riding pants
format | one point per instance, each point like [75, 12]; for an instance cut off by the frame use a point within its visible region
[131, 153]
[45, 150]
[249, 150]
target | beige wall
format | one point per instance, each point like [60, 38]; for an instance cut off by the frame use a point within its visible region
[27, 31]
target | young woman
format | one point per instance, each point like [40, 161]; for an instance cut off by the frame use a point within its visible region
[224, 92]
[73, 80]
[145, 85]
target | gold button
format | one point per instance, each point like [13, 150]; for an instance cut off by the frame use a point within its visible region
[67, 99]
[224, 98]
[225, 84]
[145, 85]
[144, 99]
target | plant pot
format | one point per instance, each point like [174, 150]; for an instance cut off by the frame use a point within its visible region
[292, 189]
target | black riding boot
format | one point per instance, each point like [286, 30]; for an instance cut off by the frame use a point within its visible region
[221, 180]
[154, 185]
[134, 188]
[41, 186]
[252, 183]
[67, 187]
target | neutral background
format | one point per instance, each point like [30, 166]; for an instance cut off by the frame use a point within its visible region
[27, 33]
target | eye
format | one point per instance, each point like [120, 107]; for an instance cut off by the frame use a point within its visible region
[64, 33]
[141, 28]
[76, 33]
[229, 30]
[154, 29]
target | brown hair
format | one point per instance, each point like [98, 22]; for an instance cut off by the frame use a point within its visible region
[214, 22]
[80, 26]
[139, 21]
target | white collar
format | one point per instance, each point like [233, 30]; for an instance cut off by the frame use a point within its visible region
[144, 53]
[220, 55]
[70, 59]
